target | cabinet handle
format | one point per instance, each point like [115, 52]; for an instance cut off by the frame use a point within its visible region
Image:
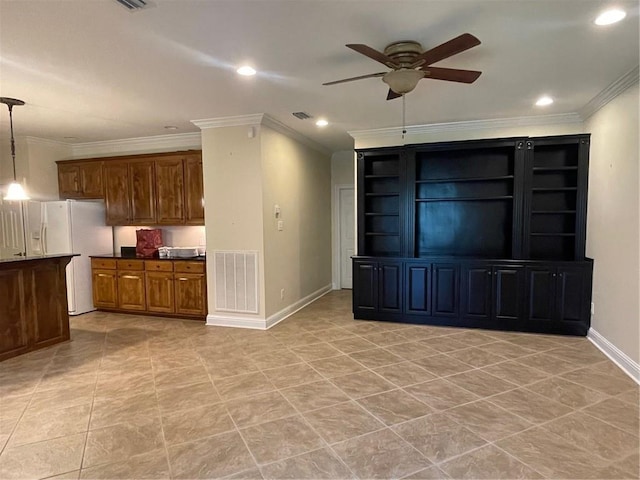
[182, 279]
[132, 277]
[554, 274]
[103, 275]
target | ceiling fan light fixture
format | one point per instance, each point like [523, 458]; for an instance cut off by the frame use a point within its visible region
[15, 192]
[404, 80]
[610, 16]
[246, 71]
[322, 123]
[544, 101]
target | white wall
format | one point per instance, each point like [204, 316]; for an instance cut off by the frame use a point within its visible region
[342, 173]
[613, 237]
[187, 236]
[297, 258]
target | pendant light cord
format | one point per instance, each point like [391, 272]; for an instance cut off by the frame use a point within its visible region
[13, 143]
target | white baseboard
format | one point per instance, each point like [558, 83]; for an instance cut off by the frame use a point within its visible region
[260, 323]
[300, 304]
[616, 355]
[239, 322]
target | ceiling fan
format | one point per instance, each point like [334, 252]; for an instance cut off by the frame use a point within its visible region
[410, 63]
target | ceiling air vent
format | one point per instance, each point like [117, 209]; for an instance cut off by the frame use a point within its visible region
[133, 5]
[301, 115]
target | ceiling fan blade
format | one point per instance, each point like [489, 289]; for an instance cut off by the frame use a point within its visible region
[391, 95]
[373, 54]
[451, 74]
[371, 75]
[447, 49]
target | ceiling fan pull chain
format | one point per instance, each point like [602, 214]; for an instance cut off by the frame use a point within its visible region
[404, 130]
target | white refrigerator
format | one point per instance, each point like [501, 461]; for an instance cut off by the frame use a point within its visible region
[70, 226]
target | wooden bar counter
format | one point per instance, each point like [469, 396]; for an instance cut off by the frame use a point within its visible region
[33, 303]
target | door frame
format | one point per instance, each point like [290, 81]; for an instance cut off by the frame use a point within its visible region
[336, 232]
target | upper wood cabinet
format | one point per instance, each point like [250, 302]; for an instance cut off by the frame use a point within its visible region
[150, 189]
[80, 179]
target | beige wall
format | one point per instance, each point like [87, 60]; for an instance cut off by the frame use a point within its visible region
[232, 174]
[612, 221]
[297, 258]
[343, 168]
[42, 177]
[504, 132]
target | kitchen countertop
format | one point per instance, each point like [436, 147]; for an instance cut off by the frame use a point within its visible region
[119, 256]
[36, 257]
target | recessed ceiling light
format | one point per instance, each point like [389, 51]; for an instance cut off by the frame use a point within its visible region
[544, 101]
[610, 16]
[246, 70]
[322, 123]
[170, 127]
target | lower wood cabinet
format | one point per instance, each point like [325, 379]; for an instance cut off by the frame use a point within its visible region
[537, 296]
[167, 287]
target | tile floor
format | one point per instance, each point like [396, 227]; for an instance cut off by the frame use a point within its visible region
[318, 396]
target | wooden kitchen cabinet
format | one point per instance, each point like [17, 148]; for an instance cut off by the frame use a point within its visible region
[142, 192]
[170, 191]
[116, 193]
[194, 193]
[164, 287]
[80, 180]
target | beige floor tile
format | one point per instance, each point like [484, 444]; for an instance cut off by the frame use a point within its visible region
[279, 358]
[251, 474]
[178, 377]
[73, 475]
[352, 344]
[595, 436]
[316, 351]
[617, 413]
[335, 366]
[547, 363]
[566, 392]
[380, 454]
[602, 381]
[299, 339]
[312, 396]
[442, 365]
[152, 465]
[319, 464]
[507, 349]
[188, 425]
[187, 396]
[212, 457]
[42, 459]
[133, 409]
[487, 420]
[61, 398]
[175, 359]
[395, 406]
[376, 357]
[259, 409]
[530, 406]
[52, 381]
[411, 350]
[445, 344]
[539, 343]
[429, 473]
[292, 375]
[441, 394]
[581, 357]
[362, 384]
[631, 397]
[335, 333]
[630, 465]
[280, 439]
[120, 442]
[343, 421]
[243, 385]
[488, 463]
[438, 437]
[229, 366]
[554, 457]
[38, 426]
[481, 383]
[516, 373]
[404, 374]
[476, 357]
[383, 339]
[472, 338]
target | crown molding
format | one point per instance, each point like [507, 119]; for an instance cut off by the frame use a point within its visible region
[610, 92]
[556, 119]
[235, 121]
[139, 144]
[280, 127]
[45, 141]
[258, 119]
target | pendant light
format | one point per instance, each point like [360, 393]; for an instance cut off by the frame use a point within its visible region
[15, 192]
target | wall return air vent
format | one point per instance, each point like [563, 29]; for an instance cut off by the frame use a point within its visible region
[133, 5]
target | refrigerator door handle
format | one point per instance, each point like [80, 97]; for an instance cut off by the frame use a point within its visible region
[43, 238]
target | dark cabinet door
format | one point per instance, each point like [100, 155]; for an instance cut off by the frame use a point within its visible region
[143, 204]
[570, 294]
[541, 294]
[418, 284]
[476, 292]
[444, 296]
[508, 285]
[390, 291]
[170, 191]
[116, 193]
[365, 279]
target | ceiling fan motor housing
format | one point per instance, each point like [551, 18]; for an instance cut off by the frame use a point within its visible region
[403, 53]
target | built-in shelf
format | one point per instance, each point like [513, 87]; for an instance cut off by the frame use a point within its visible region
[376, 234]
[382, 176]
[469, 179]
[552, 212]
[373, 214]
[553, 234]
[554, 169]
[381, 194]
[464, 199]
[554, 189]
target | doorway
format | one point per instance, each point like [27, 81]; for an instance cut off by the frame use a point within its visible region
[345, 241]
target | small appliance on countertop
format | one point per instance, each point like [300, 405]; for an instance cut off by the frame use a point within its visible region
[181, 252]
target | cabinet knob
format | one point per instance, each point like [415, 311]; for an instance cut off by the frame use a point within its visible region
[554, 274]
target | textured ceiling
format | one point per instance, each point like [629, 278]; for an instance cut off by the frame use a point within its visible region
[94, 71]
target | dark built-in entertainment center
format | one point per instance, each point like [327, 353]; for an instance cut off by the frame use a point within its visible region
[480, 233]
